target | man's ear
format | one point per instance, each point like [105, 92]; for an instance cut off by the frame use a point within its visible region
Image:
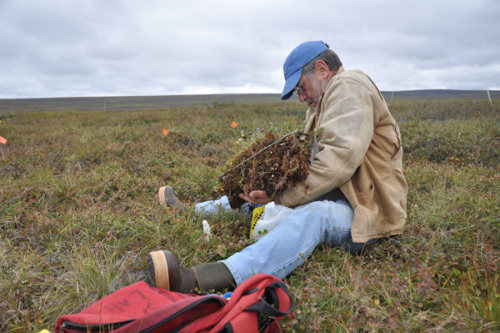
[322, 68]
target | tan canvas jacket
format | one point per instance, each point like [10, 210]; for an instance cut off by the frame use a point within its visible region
[359, 150]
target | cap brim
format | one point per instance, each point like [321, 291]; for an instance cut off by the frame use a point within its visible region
[290, 83]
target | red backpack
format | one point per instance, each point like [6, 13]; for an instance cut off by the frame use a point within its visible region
[257, 305]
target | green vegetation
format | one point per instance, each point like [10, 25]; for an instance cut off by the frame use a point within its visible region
[130, 103]
[79, 214]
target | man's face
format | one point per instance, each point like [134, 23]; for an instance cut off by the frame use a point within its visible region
[309, 89]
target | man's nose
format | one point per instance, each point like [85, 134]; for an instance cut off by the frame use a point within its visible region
[302, 96]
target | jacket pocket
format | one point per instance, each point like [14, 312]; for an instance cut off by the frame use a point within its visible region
[365, 197]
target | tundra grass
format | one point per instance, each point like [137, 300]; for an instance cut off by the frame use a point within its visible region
[79, 213]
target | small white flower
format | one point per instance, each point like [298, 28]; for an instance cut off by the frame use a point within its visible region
[206, 229]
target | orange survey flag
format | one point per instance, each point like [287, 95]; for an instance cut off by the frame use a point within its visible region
[3, 140]
[234, 124]
[165, 132]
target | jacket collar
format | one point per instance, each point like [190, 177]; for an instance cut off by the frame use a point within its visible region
[312, 114]
[340, 70]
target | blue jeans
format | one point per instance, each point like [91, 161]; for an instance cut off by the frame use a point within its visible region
[285, 247]
[222, 204]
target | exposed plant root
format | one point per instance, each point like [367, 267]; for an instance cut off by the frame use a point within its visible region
[274, 169]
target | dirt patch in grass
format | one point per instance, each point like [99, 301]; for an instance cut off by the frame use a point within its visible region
[271, 164]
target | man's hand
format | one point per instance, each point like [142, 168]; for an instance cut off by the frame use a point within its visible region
[258, 197]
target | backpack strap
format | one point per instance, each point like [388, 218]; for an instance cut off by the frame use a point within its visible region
[269, 303]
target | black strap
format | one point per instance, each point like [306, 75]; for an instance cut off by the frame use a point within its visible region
[269, 303]
[228, 328]
[334, 195]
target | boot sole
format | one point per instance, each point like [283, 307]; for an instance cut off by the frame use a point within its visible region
[161, 196]
[158, 270]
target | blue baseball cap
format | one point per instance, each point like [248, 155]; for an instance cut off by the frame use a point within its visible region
[296, 60]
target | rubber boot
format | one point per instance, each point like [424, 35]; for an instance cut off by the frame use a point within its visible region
[214, 276]
[166, 273]
[167, 198]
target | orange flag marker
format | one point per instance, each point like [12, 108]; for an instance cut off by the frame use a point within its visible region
[234, 124]
[165, 132]
[3, 140]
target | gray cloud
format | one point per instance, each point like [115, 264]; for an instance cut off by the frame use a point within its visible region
[51, 48]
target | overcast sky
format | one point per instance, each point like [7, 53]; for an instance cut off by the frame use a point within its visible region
[74, 48]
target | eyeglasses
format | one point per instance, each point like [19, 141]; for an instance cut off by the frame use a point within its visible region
[298, 88]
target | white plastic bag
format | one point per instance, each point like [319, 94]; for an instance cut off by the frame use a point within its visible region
[272, 216]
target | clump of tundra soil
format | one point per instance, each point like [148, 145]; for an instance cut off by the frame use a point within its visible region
[272, 164]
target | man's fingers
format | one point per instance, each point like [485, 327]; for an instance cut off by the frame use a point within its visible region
[246, 198]
[256, 197]
[249, 198]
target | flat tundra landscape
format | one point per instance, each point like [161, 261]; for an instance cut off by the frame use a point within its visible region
[79, 209]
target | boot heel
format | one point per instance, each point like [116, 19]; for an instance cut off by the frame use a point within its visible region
[166, 273]
[167, 198]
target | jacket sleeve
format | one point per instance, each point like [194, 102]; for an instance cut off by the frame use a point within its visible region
[344, 130]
